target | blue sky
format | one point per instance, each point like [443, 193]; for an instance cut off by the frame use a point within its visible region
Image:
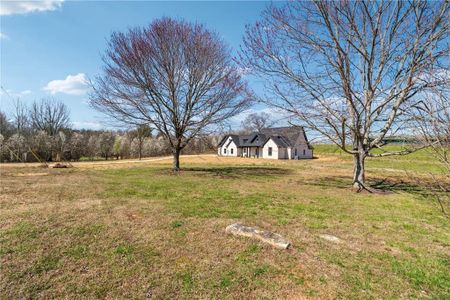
[49, 48]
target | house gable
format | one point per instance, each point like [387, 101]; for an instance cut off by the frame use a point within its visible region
[229, 147]
[270, 149]
[226, 138]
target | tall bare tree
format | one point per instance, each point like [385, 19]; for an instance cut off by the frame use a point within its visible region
[257, 121]
[6, 127]
[431, 116]
[49, 115]
[176, 76]
[20, 117]
[349, 69]
[105, 144]
[20, 121]
[141, 132]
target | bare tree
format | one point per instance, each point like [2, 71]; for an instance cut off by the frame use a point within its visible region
[20, 121]
[77, 146]
[16, 146]
[3, 148]
[49, 115]
[105, 144]
[93, 146]
[125, 146]
[176, 76]
[117, 147]
[256, 122]
[41, 144]
[140, 134]
[20, 117]
[6, 128]
[349, 69]
[432, 126]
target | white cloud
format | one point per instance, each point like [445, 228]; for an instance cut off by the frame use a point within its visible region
[26, 92]
[25, 7]
[72, 85]
[3, 36]
[13, 94]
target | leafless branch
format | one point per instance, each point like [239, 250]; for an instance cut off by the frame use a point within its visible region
[349, 69]
[176, 76]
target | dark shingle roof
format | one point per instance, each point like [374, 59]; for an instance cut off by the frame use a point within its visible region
[234, 137]
[282, 136]
[280, 141]
[245, 139]
[222, 141]
[254, 140]
[290, 134]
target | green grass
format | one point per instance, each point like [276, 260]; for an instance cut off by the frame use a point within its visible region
[176, 224]
[124, 250]
[137, 230]
[327, 207]
[419, 161]
[45, 264]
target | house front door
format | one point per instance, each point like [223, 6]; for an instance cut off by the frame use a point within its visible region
[257, 152]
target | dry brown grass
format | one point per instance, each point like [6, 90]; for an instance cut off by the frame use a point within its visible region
[133, 230]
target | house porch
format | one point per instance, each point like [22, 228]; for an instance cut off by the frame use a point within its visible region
[255, 152]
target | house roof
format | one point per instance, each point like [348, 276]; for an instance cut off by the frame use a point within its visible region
[222, 141]
[280, 141]
[253, 140]
[282, 136]
[290, 134]
[234, 137]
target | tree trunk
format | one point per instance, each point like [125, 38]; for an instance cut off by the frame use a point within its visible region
[359, 172]
[176, 159]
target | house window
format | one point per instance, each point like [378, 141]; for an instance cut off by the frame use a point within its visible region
[270, 151]
[224, 151]
[304, 151]
[245, 150]
[295, 152]
[231, 150]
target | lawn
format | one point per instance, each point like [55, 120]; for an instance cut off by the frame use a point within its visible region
[138, 231]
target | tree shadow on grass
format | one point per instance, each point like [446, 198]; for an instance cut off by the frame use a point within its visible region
[399, 186]
[240, 172]
[330, 181]
[378, 184]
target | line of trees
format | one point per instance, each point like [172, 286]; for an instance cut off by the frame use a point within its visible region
[43, 133]
[354, 72]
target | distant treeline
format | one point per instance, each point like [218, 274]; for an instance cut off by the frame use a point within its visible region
[73, 145]
[43, 133]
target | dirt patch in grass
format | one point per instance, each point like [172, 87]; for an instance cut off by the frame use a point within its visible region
[30, 174]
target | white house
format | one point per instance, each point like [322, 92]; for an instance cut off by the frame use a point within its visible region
[270, 143]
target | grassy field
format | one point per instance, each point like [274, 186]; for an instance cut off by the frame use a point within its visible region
[135, 230]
